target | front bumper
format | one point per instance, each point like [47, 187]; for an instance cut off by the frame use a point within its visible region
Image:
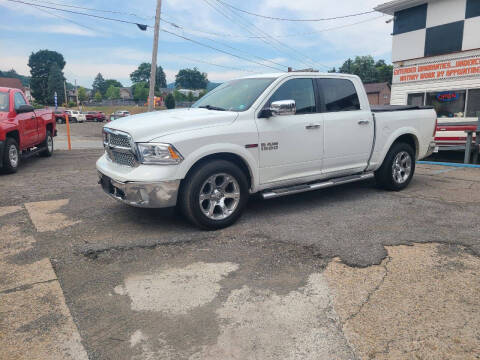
[141, 194]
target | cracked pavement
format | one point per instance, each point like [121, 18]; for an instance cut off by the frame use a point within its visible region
[346, 273]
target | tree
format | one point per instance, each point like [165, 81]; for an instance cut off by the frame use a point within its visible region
[366, 68]
[191, 79]
[178, 96]
[111, 82]
[54, 84]
[332, 70]
[170, 101]
[99, 85]
[140, 91]
[113, 92]
[190, 97]
[40, 64]
[82, 94]
[142, 74]
[98, 96]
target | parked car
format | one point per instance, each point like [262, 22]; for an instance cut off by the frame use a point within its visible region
[97, 116]
[274, 134]
[119, 114]
[60, 116]
[23, 131]
[75, 116]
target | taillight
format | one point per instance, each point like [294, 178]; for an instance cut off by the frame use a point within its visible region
[435, 128]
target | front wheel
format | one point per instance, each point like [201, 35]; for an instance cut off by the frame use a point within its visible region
[11, 156]
[398, 168]
[214, 195]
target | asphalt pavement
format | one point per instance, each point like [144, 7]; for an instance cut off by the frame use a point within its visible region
[351, 272]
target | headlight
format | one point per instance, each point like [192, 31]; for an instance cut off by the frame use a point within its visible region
[157, 153]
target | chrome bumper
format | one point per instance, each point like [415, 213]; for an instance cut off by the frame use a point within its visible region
[431, 148]
[148, 195]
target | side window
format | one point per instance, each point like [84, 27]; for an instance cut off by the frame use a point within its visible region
[339, 95]
[300, 90]
[19, 100]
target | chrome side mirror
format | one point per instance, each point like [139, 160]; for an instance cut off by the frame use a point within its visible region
[283, 107]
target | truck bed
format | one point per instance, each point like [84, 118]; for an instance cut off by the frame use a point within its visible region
[390, 108]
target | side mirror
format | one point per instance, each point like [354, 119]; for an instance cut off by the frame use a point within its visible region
[24, 109]
[283, 107]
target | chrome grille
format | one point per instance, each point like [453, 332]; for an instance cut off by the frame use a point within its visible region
[122, 158]
[119, 147]
[119, 140]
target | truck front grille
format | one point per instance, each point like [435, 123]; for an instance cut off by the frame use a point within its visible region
[119, 140]
[119, 147]
[122, 158]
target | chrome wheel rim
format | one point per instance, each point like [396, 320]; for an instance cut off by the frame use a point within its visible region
[50, 144]
[402, 167]
[13, 156]
[219, 196]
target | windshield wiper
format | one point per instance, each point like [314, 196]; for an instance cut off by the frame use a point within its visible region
[210, 107]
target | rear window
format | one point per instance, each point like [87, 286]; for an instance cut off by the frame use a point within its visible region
[339, 95]
[4, 103]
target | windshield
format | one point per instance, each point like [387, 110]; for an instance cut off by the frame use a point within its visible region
[4, 105]
[235, 95]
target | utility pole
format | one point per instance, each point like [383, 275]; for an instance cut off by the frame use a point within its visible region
[65, 89]
[153, 70]
[76, 94]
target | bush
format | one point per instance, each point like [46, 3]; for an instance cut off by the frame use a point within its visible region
[71, 104]
[170, 101]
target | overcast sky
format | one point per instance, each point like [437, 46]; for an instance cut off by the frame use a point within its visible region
[115, 49]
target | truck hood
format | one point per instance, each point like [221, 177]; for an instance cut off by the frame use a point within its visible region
[148, 126]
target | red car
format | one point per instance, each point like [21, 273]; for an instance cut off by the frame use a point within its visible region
[23, 130]
[60, 117]
[97, 116]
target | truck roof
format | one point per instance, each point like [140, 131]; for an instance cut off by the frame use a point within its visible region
[5, 89]
[299, 73]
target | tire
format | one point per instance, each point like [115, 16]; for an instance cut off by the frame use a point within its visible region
[10, 165]
[223, 186]
[48, 144]
[73, 120]
[398, 168]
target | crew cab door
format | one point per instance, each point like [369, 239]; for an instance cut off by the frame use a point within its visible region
[291, 146]
[27, 123]
[348, 128]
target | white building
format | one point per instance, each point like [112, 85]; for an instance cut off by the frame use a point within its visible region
[436, 56]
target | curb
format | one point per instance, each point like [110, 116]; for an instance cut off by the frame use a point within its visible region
[449, 164]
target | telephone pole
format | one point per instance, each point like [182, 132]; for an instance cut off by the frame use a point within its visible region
[65, 89]
[153, 71]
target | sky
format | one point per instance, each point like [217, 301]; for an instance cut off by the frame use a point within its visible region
[91, 45]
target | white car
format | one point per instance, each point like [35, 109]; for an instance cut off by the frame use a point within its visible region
[273, 134]
[75, 116]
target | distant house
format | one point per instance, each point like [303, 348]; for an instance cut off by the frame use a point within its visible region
[378, 93]
[196, 93]
[28, 93]
[72, 96]
[11, 83]
[126, 93]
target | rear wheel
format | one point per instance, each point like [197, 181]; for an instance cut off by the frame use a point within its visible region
[398, 167]
[11, 156]
[48, 145]
[214, 195]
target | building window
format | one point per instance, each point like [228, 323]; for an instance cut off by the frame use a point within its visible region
[448, 104]
[444, 39]
[416, 99]
[473, 103]
[473, 9]
[414, 18]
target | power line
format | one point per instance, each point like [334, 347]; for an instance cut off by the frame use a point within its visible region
[248, 28]
[214, 64]
[98, 10]
[64, 18]
[220, 50]
[288, 19]
[141, 26]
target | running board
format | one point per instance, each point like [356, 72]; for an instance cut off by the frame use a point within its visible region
[27, 154]
[296, 189]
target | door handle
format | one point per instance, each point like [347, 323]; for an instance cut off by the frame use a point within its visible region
[312, 126]
[33, 117]
[363, 122]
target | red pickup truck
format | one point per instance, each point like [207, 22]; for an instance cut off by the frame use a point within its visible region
[23, 130]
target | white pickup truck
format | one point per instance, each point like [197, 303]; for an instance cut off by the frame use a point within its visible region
[273, 134]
